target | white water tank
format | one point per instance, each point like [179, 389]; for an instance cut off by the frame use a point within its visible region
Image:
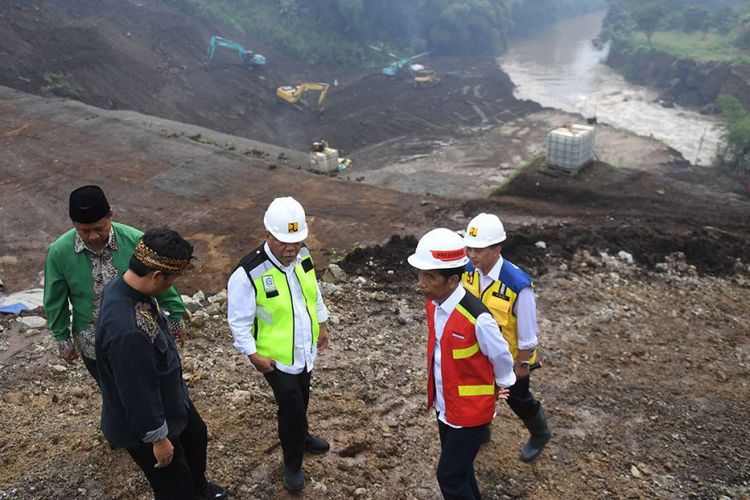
[324, 162]
[570, 148]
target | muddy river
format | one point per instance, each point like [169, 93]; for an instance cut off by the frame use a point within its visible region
[562, 69]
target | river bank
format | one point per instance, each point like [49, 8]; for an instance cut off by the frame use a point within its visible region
[574, 78]
[682, 81]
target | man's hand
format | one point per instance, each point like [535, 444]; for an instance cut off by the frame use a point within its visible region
[163, 453]
[323, 338]
[520, 371]
[178, 329]
[501, 393]
[67, 352]
[262, 363]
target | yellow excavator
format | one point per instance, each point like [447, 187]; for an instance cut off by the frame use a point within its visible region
[293, 94]
[425, 77]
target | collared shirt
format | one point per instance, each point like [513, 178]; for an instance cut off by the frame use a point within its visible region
[103, 271]
[491, 344]
[69, 280]
[241, 307]
[524, 308]
[144, 397]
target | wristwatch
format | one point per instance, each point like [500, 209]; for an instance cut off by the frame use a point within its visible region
[524, 364]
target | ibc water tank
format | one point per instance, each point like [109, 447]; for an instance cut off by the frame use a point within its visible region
[571, 147]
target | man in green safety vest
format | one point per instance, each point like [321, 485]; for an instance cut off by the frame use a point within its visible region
[278, 319]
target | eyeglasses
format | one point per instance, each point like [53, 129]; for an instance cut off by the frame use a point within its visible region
[284, 244]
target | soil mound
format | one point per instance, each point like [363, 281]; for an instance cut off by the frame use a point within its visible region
[385, 264]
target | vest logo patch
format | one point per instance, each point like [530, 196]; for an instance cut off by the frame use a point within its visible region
[292, 227]
[268, 284]
[473, 231]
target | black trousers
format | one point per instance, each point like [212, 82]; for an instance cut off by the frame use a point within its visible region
[292, 393]
[521, 401]
[455, 471]
[90, 365]
[185, 477]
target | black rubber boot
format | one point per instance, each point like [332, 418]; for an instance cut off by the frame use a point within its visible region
[316, 445]
[540, 434]
[294, 479]
[213, 492]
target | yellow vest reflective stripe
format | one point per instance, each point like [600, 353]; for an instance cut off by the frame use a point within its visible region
[273, 327]
[476, 390]
[500, 299]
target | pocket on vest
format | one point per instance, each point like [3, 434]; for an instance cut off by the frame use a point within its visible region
[500, 311]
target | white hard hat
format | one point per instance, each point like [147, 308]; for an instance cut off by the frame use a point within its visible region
[484, 230]
[439, 249]
[285, 220]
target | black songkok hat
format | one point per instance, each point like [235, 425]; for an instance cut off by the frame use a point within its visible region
[88, 204]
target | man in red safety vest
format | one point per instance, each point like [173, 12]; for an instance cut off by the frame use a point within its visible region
[469, 365]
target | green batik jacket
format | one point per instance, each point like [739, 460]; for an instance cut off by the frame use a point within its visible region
[74, 276]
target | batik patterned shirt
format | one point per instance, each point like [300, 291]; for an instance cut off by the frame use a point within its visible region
[103, 271]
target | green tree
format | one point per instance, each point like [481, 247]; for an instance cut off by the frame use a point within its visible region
[723, 19]
[696, 18]
[737, 133]
[647, 15]
[742, 38]
[465, 26]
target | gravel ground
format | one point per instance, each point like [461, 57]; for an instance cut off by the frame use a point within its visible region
[645, 383]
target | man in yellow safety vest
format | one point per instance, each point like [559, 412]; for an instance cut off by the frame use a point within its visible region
[508, 292]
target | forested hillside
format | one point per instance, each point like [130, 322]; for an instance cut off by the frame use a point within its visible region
[722, 27]
[342, 31]
[698, 51]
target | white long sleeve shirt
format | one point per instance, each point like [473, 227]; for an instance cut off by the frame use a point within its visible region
[524, 308]
[491, 344]
[241, 309]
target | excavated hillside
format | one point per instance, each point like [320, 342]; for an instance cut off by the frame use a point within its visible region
[641, 271]
[149, 57]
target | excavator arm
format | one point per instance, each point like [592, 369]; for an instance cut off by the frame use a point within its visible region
[246, 56]
[323, 94]
[293, 95]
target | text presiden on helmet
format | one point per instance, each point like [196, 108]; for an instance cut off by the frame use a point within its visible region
[468, 361]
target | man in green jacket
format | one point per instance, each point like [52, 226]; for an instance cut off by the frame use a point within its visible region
[79, 264]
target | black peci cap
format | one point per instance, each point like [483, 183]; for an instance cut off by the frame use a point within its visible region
[88, 204]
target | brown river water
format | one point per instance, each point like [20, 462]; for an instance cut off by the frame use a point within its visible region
[562, 69]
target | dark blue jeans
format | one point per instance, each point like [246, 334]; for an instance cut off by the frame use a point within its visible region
[455, 471]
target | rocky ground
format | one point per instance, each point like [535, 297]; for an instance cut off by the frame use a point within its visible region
[640, 263]
[645, 383]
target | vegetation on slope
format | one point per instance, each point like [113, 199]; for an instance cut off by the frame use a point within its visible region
[712, 30]
[342, 31]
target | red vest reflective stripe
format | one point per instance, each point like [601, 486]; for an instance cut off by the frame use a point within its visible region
[467, 374]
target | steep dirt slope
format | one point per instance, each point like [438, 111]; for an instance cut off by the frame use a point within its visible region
[149, 57]
[158, 172]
